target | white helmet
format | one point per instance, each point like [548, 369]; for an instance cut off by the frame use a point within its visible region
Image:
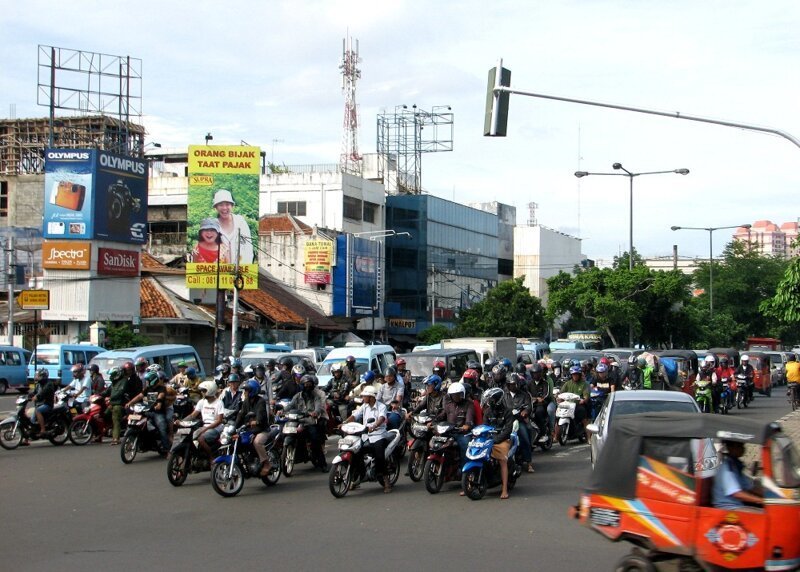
[456, 387]
[336, 367]
[210, 387]
[369, 391]
[745, 357]
[710, 359]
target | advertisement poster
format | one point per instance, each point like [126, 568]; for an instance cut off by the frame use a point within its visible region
[120, 186]
[66, 254]
[355, 277]
[68, 205]
[222, 216]
[317, 258]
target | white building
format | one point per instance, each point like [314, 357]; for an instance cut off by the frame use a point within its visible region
[540, 253]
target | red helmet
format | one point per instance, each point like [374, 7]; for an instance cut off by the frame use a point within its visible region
[439, 367]
[127, 367]
[400, 362]
[471, 374]
[605, 360]
[142, 362]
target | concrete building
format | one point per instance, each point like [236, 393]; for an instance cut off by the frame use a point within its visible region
[540, 253]
[770, 239]
[506, 221]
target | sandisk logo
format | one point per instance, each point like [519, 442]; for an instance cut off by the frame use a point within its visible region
[117, 262]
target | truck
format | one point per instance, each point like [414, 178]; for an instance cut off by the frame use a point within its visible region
[495, 348]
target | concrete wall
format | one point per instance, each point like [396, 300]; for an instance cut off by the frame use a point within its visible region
[540, 253]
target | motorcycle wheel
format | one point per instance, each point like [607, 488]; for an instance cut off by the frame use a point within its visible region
[562, 435]
[178, 465]
[339, 479]
[547, 444]
[128, 448]
[9, 439]
[434, 476]
[59, 430]
[416, 465]
[80, 432]
[635, 562]
[738, 401]
[275, 471]
[225, 485]
[473, 483]
[287, 460]
[392, 470]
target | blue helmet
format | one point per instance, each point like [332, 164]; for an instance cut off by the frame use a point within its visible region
[252, 388]
[507, 363]
[435, 381]
[575, 369]
[368, 377]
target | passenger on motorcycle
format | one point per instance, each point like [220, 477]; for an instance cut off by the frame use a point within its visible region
[259, 423]
[433, 401]
[471, 381]
[192, 384]
[80, 386]
[373, 414]
[496, 414]
[232, 395]
[577, 386]
[117, 397]
[210, 410]
[141, 368]
[155, 392]
[403, 373]
[749, 373]
[96, 379]
[369, 379]
[391, 395]
[518, 401]
[459, 411]
[134, 382]
[541, 390]
[311, 401]
[440, 369]
[488, 366]
[726, 376]
[223, 371]
[180, 378]
[260, 375]
[633, 377]
[524, 377]
[339, 386]
[292, 387]
[499, 374]
[350, 372]
[45, 396]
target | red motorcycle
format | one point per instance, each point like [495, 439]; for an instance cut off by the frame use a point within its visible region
[90, 424]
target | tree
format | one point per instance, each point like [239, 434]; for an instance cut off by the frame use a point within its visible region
[433, 334]
[784, 306]
[509, 309]
[123, 336]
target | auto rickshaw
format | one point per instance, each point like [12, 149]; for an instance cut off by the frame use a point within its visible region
[686, 361]
[731, 353]
[761, 378]
[652, 487]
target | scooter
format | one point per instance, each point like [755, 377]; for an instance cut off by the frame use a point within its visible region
[17, 427]
[725, 398]
[239, 461]
[296, 448]
[186, 456]
[353, 466]
[741, 391]
[444, 459]
[481, 472]
[91, 423]
[702, 394]
[418, 444]
[141, 435]
[565, 414]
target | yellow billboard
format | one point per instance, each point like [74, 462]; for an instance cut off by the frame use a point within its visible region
[204, 275]
[317, 261]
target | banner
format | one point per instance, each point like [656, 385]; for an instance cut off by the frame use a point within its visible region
[116, 262]
[69, 190]
[222, 215]
[66, 254]
[317, 261]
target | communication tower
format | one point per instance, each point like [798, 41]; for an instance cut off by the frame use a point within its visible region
[351, 160]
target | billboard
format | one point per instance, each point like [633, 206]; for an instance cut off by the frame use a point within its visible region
[356, 277]
[93, 194]
[222, 216]
[66, 254]
[116, 262]
[317, 261]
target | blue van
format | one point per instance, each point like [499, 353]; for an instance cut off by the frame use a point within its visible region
[14, 368]
[58, 359]
[168, 356]
[261, 348]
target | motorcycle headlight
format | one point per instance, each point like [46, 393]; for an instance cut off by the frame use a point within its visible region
[138, 408]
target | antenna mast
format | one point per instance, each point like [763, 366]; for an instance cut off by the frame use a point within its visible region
[351, 160]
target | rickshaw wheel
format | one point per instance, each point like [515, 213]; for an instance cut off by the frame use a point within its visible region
[635, 562]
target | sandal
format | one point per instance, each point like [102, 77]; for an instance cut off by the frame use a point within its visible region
[266, 467]
[504, 497]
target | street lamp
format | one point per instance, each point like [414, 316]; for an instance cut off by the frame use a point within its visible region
[627, 173]
[710, 230]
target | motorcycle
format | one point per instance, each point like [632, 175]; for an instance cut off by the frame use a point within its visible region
[353, 466]
[296, 448]
[597, 397]
[793, 394]
[141, 434]
[444, 459]
[541, 438]
[565, 413]
[17, 427]
[726, 397]
[741, 391]
[182, 406]
[186, 456]
[91, 423]
[418, 445]
[481, 472]
[702, 394]
[239, 461]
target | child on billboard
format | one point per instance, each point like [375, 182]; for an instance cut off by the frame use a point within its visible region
[211, 246]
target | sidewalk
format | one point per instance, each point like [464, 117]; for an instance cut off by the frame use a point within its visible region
[790, 424]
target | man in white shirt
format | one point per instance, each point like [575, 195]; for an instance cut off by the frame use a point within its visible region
[210, 409]
[391, 393]
[372, 413]
[81, 384]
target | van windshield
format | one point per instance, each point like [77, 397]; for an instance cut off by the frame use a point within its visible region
[46, 357]
[106, 364]
[325, 369]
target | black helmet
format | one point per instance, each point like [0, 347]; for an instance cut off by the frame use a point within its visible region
[271, 362]
[536, 368]
[474, 364]
[236, 362]
[390, 371]
[520, 368]
[516, 379]
[259, 366]
[499, 372]
[308, 378]
[42, 374]
[94, 368]
[492, 397]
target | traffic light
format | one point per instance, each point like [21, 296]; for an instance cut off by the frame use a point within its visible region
[495, 123]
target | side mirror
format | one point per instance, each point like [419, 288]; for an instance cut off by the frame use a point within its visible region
[593, 428]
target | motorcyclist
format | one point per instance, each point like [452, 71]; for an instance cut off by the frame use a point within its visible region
[749, 374]
[633, 376]
[497, 414]
[141, 365]
[792, 376]
[488, 366]
[471, 381]
[369, 379]
[223, 371]
[499, 374]
[373, 414]
[232, 394]
[96, 379]
[577, 385]
[439, 368]
[311, 401]
[292, 387]
[155, 393]
[210, 410]
[403, 373]
[524, 377]
[339, 390]
[518, 401]
[254, 403]
[192, 384]
[117, 397]
[726, 376]
[541, 390]
[134, 382]
[179, 379]
[260, 375]
[647, 371]
[237, 368]
[460, 411]
[433, 402]
[391, 395]
[603, 384]
[45, 397]
[80, 386]
[350, 372]
[708, 371]
[476, 366]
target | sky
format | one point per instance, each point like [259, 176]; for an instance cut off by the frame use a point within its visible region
[267, 73]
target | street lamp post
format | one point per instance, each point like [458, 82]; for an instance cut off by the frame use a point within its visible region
[627, 173]
[711, 230]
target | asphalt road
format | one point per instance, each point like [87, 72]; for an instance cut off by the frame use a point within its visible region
[71, 508]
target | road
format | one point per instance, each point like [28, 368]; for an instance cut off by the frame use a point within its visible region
[81, 509]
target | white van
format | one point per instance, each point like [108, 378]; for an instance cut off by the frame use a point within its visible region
[374, 358]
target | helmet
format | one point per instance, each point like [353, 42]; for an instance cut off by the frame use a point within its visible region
[790, 357]
[601, 368]
[142, 362]
[127, 367]
[604, 360]
[42, 373]
[236, 362]
[575, 369]
[631, 359]
[566, 364]
[78, 370]
[209, 387]
[455, 388]
[745, 357]
[271, 362]
[489, 364]
[308, 378]
[191, 373]
[151, 377]
[505, 362]
[435, 381]
[723, 361]
[336, 367]
[350, 359]
[520, 368]
[154, 367]
[499, 372]
[249, 370]
[641, 361]
[474, 364]
[584, 363]
[181, 363]
[390, 371]
[536, 368]
[471, 374]
[252, 387]
[492, 397]
[94, 368]
[298, 371]
[400, 362]
[369, 392]
[368, 377]
[439, 368]
[516, 379]
[709, 360]
[234, 378]
[113, 374]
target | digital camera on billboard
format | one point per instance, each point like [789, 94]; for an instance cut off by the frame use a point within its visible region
[121, 205]
[68, 195]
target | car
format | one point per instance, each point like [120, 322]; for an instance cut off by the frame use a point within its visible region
[621, 403]
[375, 358]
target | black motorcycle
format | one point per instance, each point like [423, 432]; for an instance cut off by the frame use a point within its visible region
[239, 461]
[141, 434]
[295, 445]
[17, 427]
[185, 456]
[418, 445]
[444, 459]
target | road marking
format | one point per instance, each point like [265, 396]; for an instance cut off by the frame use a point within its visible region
[572, 451]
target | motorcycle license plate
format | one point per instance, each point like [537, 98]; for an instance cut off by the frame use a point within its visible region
[287, 429]
[134, 417]
[183, 431]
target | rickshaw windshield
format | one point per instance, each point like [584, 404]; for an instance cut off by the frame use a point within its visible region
[785, 462]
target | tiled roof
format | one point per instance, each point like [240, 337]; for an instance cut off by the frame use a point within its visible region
[150, 262]
[154, 301]
[270, 307]
[282, 223]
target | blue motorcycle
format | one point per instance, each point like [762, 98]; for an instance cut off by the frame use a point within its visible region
[239, 461]
[481, 472]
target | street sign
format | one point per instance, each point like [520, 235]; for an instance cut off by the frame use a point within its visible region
[34, 299]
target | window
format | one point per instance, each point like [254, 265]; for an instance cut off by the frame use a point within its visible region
[351, 208]
[294, 208]
[12, 358]
[370, 211]
[3, 199]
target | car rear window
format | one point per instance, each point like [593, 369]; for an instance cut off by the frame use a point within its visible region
[633, 407]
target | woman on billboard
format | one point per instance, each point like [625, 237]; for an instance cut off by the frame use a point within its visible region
[232, 226]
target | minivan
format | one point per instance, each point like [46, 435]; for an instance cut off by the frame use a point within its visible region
[14, 368]
[58, 359]
[261, 348]
[420, 364]
[168, 356]
[375, 358]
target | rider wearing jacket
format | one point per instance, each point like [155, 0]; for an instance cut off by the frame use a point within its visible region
[726, 375]
[391, 395]
[497, 414]
[232, 396]
[749, 373]
[45, 397]
[155, 392]
[311, 401]
[459, 410]
[258, 423]
[434, 400]
[518, 401]
[373, 414]
[541, 390]
[577, 386]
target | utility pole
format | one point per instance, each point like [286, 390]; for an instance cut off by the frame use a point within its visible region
[10, 274]
[433, 292]
[235, 316]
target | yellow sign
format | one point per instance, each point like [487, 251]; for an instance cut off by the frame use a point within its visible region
[34, 299]
[318, 256]
[203, 275]
[210, 159]
[401, 323]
